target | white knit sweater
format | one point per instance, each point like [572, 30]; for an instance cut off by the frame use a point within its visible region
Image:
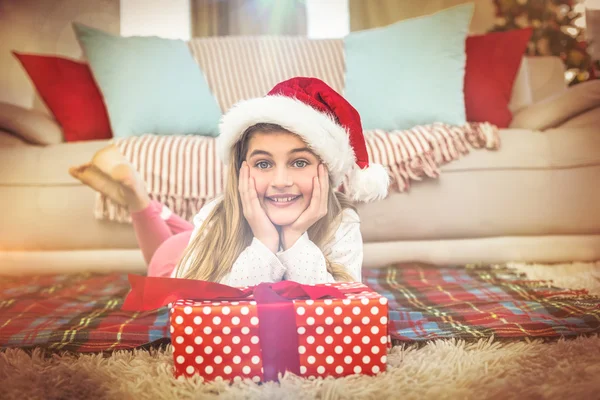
[304, 262]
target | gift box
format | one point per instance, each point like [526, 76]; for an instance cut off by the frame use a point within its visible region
[332, 337]
[226, 333]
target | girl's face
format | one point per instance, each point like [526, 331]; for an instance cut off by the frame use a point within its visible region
[283, 168]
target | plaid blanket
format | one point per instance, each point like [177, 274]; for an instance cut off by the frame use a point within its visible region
[476, 302]
[82, 312]
[75, 312]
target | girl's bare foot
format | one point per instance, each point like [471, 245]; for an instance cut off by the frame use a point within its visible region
[100, 182]
[131, 189]
[107, 158]
[132, 185]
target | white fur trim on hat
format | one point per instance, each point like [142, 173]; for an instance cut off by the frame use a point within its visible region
[368, 184]
[322, 133]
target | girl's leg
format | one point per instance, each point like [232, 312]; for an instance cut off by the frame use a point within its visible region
[154, 225]
[167, 255]
[175, 222]
[111, 174]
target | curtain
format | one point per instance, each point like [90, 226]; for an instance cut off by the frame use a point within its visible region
[366, 14]
[248, 17]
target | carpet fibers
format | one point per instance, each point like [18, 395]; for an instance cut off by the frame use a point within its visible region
[448, 368]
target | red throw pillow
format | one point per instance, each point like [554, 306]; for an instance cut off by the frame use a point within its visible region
[493, 62]
[70, 92]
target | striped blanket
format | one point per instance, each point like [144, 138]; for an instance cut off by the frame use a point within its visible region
[183, 172]
[81, 312]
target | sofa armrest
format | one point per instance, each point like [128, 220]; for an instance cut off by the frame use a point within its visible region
[558, 109]
[30, 125]
[537, 79]
[586, 119]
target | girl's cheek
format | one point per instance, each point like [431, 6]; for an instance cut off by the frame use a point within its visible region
[306, 184]
[306, 175]
[261, 184]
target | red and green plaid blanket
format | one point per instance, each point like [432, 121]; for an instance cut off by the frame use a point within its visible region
[478, 302]
[81, 312]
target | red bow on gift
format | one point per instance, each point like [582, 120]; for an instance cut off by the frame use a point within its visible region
[276, 312]
[150, 293]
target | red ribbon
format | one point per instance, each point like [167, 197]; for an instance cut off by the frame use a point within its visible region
[276, 312]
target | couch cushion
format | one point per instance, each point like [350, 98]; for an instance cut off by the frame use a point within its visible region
[488, 203]
[149, 84]
[70, 92]
[493, 62]
[395, 82]
[273, 59]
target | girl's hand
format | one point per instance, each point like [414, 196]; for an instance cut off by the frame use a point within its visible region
[316, 210]
[262, 227]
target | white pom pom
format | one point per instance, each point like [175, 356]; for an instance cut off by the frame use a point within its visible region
[368, 184]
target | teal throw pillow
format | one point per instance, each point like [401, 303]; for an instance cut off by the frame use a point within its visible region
[150, 85]
[411, 72]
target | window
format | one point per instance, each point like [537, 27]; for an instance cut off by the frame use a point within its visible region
[167, 19]
[327, 18]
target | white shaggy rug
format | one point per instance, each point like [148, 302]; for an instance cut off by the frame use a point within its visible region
[443, 369]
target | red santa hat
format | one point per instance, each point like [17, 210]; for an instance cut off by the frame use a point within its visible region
[329, 125]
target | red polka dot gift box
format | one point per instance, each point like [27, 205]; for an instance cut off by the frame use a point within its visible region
[256, 333]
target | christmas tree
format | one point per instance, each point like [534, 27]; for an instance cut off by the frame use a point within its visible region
[556, 32]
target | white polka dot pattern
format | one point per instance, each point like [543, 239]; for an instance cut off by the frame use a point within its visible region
[336, 337]
[210, 343]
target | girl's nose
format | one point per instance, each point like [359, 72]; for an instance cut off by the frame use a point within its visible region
[282, 178]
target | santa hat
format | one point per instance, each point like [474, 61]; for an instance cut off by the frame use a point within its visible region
[329, 125]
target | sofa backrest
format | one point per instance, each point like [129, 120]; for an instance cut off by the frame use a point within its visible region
[242, 67]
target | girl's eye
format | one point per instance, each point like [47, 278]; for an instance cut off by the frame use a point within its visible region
[300, 163]
[262, 165]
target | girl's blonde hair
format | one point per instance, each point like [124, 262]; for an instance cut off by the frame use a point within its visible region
[225, 233]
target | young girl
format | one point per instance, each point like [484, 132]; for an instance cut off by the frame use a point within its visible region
[279, 217]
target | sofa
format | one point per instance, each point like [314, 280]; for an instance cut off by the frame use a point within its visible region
[536, 199]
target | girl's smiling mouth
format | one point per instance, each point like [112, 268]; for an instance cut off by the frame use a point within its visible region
[282, 200]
